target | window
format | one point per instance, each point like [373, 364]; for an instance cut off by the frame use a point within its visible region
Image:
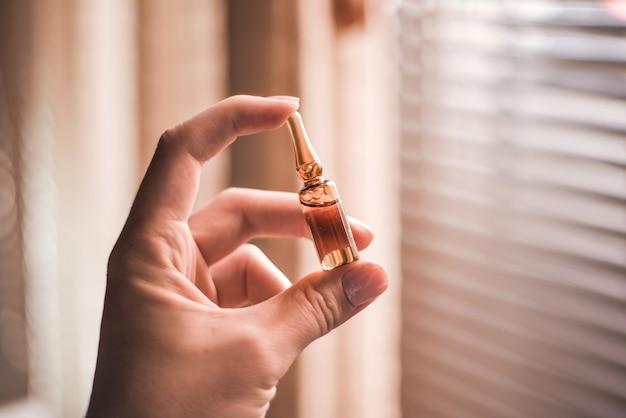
[513, 208]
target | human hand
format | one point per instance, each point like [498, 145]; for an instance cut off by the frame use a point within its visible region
[196, 322]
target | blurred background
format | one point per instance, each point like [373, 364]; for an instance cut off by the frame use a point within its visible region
[484, 140]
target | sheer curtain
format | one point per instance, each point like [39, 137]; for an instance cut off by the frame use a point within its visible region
[348, 100]
[99, 86]
[101, 81]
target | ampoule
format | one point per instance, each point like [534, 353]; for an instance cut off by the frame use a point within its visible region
[321, 204]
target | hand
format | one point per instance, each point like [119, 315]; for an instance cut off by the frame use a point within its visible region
[171, 343]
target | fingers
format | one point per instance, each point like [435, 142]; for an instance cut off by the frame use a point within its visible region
[321, 302]
[169, 187]
[238, 215]
[247, 277]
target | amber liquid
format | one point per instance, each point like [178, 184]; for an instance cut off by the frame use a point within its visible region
[331, 234]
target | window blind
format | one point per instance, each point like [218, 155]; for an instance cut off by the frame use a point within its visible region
[513, 208]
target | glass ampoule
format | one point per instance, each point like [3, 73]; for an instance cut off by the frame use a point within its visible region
[321, 204]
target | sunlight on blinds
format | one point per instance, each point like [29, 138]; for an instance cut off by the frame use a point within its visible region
[513, 208]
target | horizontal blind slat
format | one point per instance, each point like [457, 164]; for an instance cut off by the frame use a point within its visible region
[600, 179]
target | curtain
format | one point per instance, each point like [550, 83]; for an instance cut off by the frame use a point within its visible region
[99, 85]
[91, 85]
[349, 106]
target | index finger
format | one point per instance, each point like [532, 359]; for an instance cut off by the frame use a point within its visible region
[170, 184]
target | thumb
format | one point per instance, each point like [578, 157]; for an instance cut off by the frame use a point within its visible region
[322, 301]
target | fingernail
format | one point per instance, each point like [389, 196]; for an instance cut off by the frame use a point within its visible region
[364, 284]
[294, 101]
[286, 98]
[362, 224]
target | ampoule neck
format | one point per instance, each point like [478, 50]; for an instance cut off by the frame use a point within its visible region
[314, 181]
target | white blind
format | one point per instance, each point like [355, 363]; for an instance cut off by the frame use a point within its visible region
[513, 209]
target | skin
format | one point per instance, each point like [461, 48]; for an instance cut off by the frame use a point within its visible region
[196, 322]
